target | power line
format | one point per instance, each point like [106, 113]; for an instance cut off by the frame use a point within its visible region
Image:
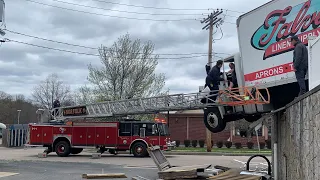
[45, 47]
[76, 45]
[146, 19]
[123, 17]
[164, 8]
[132, 12]
[90, 54]
[36, 37]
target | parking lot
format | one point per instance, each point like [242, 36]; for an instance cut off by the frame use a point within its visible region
[28, 166]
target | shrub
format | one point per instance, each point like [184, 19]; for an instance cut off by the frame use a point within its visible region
[177, 143]
[194, 143]
[238, 145]
[201, 143]
[262, 145]
[219, 144]
[186, 143]
[250, 145]
[228, 144]
[268, 142]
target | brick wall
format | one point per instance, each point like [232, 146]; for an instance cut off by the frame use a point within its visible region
[178, 125]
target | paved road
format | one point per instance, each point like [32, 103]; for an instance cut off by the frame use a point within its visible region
[125, 160]
[40, 170]
[29, 166]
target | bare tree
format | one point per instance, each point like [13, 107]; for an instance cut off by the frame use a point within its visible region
[50, 89]
[85, 95]
[128, 71]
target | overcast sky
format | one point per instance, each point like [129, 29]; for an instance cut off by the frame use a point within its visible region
[23, 66]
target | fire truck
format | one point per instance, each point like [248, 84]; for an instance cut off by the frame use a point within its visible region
[65, 135]
[72, 137]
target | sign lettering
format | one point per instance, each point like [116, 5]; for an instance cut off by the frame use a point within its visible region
[75, 111]
[273, 36]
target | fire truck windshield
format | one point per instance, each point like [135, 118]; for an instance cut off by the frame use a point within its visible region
[163, 129]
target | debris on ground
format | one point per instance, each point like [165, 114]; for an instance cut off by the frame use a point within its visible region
[168, 172]
[104, 176]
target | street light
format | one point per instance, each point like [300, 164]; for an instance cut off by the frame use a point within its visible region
[19, 115]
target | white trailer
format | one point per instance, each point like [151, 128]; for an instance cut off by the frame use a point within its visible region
[265, 59]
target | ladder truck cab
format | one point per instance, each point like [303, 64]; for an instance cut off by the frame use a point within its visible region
[71, 137]
[265, 57]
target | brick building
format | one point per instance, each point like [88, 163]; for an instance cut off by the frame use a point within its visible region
[188, 125]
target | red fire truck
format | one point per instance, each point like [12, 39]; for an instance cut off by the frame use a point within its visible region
[72, 137]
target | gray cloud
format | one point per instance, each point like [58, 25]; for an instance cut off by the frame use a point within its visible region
[23, 66]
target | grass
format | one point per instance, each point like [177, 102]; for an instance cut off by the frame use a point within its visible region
[220, 150]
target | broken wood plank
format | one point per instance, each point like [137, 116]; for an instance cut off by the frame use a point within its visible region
[104, 176]
[234, 175]
[182, 172]
[222, 168]
[187, 174]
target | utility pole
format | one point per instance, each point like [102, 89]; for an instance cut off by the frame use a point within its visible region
[2, 5]
[210, 21]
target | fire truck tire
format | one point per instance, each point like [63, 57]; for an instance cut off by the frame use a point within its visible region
[63, 148]
[76, 150]
[139, 149]
[213, 120]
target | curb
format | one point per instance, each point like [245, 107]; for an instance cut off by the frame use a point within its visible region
[214, 153]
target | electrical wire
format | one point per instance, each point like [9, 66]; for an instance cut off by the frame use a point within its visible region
[132, 12]
[89, 54]
[221, 35]
[36, 37]
[123, 17]
[76, 45]
[164, 8]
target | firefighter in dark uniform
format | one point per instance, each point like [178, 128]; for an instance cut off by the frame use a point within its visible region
[214, 77]
[56, 104]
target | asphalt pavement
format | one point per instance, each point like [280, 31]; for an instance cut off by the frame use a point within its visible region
[44, 170]
[27, 165]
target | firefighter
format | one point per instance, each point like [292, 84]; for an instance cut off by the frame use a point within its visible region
[213, 78]
[300, 63]
[56, 104]
[233, 79]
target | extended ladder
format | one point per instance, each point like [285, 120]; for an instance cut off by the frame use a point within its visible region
[158, 104]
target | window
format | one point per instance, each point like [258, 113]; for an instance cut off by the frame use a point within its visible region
[125, 129]
[149, 130]
[136, 130]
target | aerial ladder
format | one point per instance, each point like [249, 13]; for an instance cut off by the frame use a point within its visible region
[214, 110]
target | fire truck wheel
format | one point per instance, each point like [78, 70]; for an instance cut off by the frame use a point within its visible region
[139, 149]
[62, 148]
[213, 120]
[76, 150]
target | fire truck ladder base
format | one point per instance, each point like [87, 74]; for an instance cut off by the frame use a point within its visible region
[174, 102]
